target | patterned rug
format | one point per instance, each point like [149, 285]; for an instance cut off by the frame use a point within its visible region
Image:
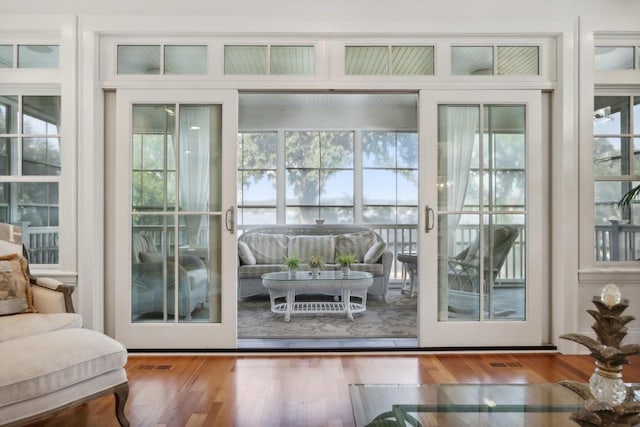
[395, 318]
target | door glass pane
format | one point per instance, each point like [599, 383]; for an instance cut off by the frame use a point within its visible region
[152, 153]
[504, 158]
[481, 252]
[199, 295]
[504, 262]
[458, 127]
[200, 158]
[458, 267]
[166, 165]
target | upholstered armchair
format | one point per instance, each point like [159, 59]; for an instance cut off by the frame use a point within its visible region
[148, 272]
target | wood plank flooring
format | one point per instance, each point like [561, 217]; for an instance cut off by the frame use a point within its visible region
[300, 390]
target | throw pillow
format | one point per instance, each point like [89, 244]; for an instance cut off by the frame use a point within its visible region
[266, 247]
[15, 290]
[375, 252]
[245, 254]
[151, 257]
[356, 244]
[307, 246]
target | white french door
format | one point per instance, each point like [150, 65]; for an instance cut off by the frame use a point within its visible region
[482, 257]
[175, 192]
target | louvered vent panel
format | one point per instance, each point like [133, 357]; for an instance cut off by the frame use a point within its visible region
[292, 60]
[246, 60]
[412, 60]
[522, 60]
[366, 60]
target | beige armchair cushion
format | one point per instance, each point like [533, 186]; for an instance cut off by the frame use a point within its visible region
[27, 324]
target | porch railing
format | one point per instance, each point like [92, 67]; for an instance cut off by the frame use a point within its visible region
[617, 241]
[42, 244]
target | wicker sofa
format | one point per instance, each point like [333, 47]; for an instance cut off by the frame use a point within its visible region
[268, 245]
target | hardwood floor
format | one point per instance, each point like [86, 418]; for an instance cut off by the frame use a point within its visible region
[300, 390]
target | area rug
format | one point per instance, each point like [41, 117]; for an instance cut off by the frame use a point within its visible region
[395, 318]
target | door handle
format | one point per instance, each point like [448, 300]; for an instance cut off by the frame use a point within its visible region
[229, 220]
[429, 219]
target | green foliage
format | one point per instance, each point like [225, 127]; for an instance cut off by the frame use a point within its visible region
[293, 262]
[345, 260]
[627, 199]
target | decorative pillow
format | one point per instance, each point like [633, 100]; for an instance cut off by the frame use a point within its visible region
[245, 254]
[267, 248]
[15, 291]
[307, 246]
[8, 248]
[356, 244]
[151, 257]
[375, 252]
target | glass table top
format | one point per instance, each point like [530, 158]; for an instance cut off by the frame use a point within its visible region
[457, 405]
[323, 275]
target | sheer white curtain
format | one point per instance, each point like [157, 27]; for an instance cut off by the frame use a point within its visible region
[457, 132]
[194, 167]
[460, 126]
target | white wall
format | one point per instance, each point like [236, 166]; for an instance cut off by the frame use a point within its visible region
[352, 9]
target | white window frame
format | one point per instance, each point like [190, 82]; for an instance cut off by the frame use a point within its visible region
[599, 32]
[61, 31]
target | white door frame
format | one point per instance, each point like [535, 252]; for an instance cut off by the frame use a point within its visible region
[434, 333]
[175, 335]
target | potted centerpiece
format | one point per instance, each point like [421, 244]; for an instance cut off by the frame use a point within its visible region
[292, 264]
[345, 261]
[315, 263]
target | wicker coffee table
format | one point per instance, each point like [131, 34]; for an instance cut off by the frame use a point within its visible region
[282, 284]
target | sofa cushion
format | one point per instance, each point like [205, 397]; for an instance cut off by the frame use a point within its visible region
[29, 370]
[267, 248]
[356, 244]
[307, 246]
[376, 269]
[15, 291]
[375, 252]
[26, 324]
[246, 256]
[256, 271]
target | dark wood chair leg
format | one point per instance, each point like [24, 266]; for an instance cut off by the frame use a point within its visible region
[121, 393]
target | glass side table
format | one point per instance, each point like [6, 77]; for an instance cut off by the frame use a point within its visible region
[458, 405]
